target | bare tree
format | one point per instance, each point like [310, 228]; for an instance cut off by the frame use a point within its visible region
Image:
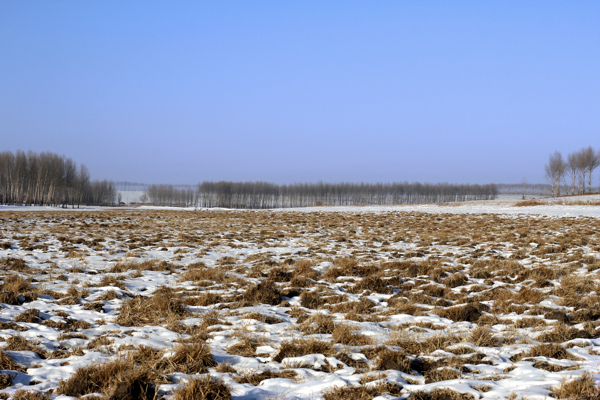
[555, 171]
[590, 160]
[82, 184]
[580, 172]
[593, 165]
[573, 168]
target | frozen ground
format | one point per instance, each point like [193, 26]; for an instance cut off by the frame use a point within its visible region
[469, 301]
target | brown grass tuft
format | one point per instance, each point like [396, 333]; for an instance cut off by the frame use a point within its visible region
[7, 379]
[245, 347]
[440, 394]
[344, 333]
[442, 374]
[23, 394]
[256, 377]
[418, 346]
[302, 347]
[318, 323]
[546, 350]
[205, 388]
[562, 333]
[263, 293]
[469, 312]
[199, 273]
[7, 363]
[32, 316]
[529, 203]
[310, 299]
[190, 358]
[13, 264]
[19, 343]
[362, 392]
[16, 290]
[163, 306]
[582, 388]
[118, 379]
[456, 280]
[391, 359]
[482, 336]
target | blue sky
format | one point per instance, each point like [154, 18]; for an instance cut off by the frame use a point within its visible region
[298, 91]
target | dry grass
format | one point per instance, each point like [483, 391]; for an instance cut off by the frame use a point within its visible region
[7, 379]
[205, 388]
[164, 306]
[17, 290]
[362, 392]
[392, 359]
[32, 316]
[562, 333]
[264, 292]
[146, 265]
[256, 377]
[417, 345]
[440, 394]
[547, 350]
[469, 312]
[198, 272]
[302, 347]
[23, 394]
[318, 323]
[119, 379]
[267, 319]
[245, 347]
[7, 363]
[345, 334]
[529, 203]
[583, 388]
[13, 264]
[442, 374]
[19, 343]
[482, 336]
[310, 299]
[190, 358]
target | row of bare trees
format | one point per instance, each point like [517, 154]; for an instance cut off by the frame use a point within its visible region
[49, 179]
[170, 195]
[574, 169]
[260, 195]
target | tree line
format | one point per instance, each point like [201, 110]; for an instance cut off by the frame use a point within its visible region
[49, 179]
[260, 195]
[573, 170]
[170, 195]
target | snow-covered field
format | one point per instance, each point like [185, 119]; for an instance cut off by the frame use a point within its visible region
[480, 300]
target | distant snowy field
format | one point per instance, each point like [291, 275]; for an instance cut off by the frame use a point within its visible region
[499, 206]
[503, 205]
[478, 300]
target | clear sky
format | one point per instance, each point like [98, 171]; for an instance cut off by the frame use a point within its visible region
[298, 91]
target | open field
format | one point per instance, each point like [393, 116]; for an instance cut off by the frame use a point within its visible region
[326, 303]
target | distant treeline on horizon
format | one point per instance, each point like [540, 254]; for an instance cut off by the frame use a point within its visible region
[260, 195]
[50, 179]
